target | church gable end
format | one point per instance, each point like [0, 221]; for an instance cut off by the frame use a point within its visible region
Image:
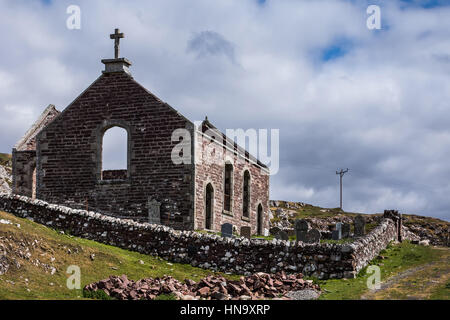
[70, 158]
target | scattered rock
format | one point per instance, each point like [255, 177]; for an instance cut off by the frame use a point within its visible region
[257, 286]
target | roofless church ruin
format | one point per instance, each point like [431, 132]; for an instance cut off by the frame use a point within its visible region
[60, 160]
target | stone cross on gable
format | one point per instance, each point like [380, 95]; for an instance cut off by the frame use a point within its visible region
[116, 36]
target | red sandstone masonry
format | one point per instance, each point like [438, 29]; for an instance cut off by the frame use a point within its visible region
[213, 172]
[69, 154]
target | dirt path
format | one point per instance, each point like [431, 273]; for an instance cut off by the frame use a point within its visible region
[418, 283]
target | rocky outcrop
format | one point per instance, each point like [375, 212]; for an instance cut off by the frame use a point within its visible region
[5, 179]
[257, 286]
[283, 215]
[435, 231]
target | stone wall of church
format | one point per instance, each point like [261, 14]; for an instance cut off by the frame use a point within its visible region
[69, 154]
[23, 164]
[210, 169]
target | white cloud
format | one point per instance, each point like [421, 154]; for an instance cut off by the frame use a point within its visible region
[380, 109]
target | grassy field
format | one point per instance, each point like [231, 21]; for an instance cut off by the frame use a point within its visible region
[4, 158]
[393, 261]
[32, 282]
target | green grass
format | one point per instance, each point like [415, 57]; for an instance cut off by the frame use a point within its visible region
[108, 261]
[397, 258]
[442, 292]
[166, 297]
[5, 159]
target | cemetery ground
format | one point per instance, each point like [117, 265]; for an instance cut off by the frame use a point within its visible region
[410, 271]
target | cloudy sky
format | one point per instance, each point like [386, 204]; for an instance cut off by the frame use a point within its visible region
[343, 96]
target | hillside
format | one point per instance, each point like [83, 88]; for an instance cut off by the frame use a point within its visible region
[34, 260]
[284, 213]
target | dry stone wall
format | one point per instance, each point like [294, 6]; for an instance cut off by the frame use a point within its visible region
[236, 255]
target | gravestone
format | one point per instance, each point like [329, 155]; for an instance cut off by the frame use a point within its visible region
[337, 233]
[346, 230]
[246, 232]
[360, 226]
[282, 235]
[313, 236]
[274, 230]
[266, 232]
[154, 208]
[301, 229]
[227, 230]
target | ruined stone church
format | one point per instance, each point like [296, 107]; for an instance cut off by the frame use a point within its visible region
[60, 160]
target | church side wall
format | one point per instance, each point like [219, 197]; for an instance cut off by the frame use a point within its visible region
[212, 170]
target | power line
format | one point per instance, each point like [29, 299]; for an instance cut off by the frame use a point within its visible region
[341, 175]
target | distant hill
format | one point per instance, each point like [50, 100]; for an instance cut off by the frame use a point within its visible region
[284, 213]
[5, 159]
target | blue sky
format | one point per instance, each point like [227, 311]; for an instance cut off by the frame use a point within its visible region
[340, 94]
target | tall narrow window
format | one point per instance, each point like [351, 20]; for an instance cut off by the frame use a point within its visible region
[209, 206]
[115, 154]
[228, 187]
[260, 220]
[246, 195]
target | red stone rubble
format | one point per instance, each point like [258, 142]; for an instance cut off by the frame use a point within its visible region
[257, 286]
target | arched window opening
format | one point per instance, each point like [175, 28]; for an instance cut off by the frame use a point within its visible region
[246, 195]
[260, 220]
[228, 187]
[115, 154]
[209, 205]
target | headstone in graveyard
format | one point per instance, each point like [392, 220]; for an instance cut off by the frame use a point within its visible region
[301, 229]
[313, 236]
[360, 226]
[227, 230]
[274, 230]
[346, 230]
[337, 233]
[154, 208]
[246, 232]
[282, 235]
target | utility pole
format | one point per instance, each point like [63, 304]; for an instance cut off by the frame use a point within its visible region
[341, 175]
